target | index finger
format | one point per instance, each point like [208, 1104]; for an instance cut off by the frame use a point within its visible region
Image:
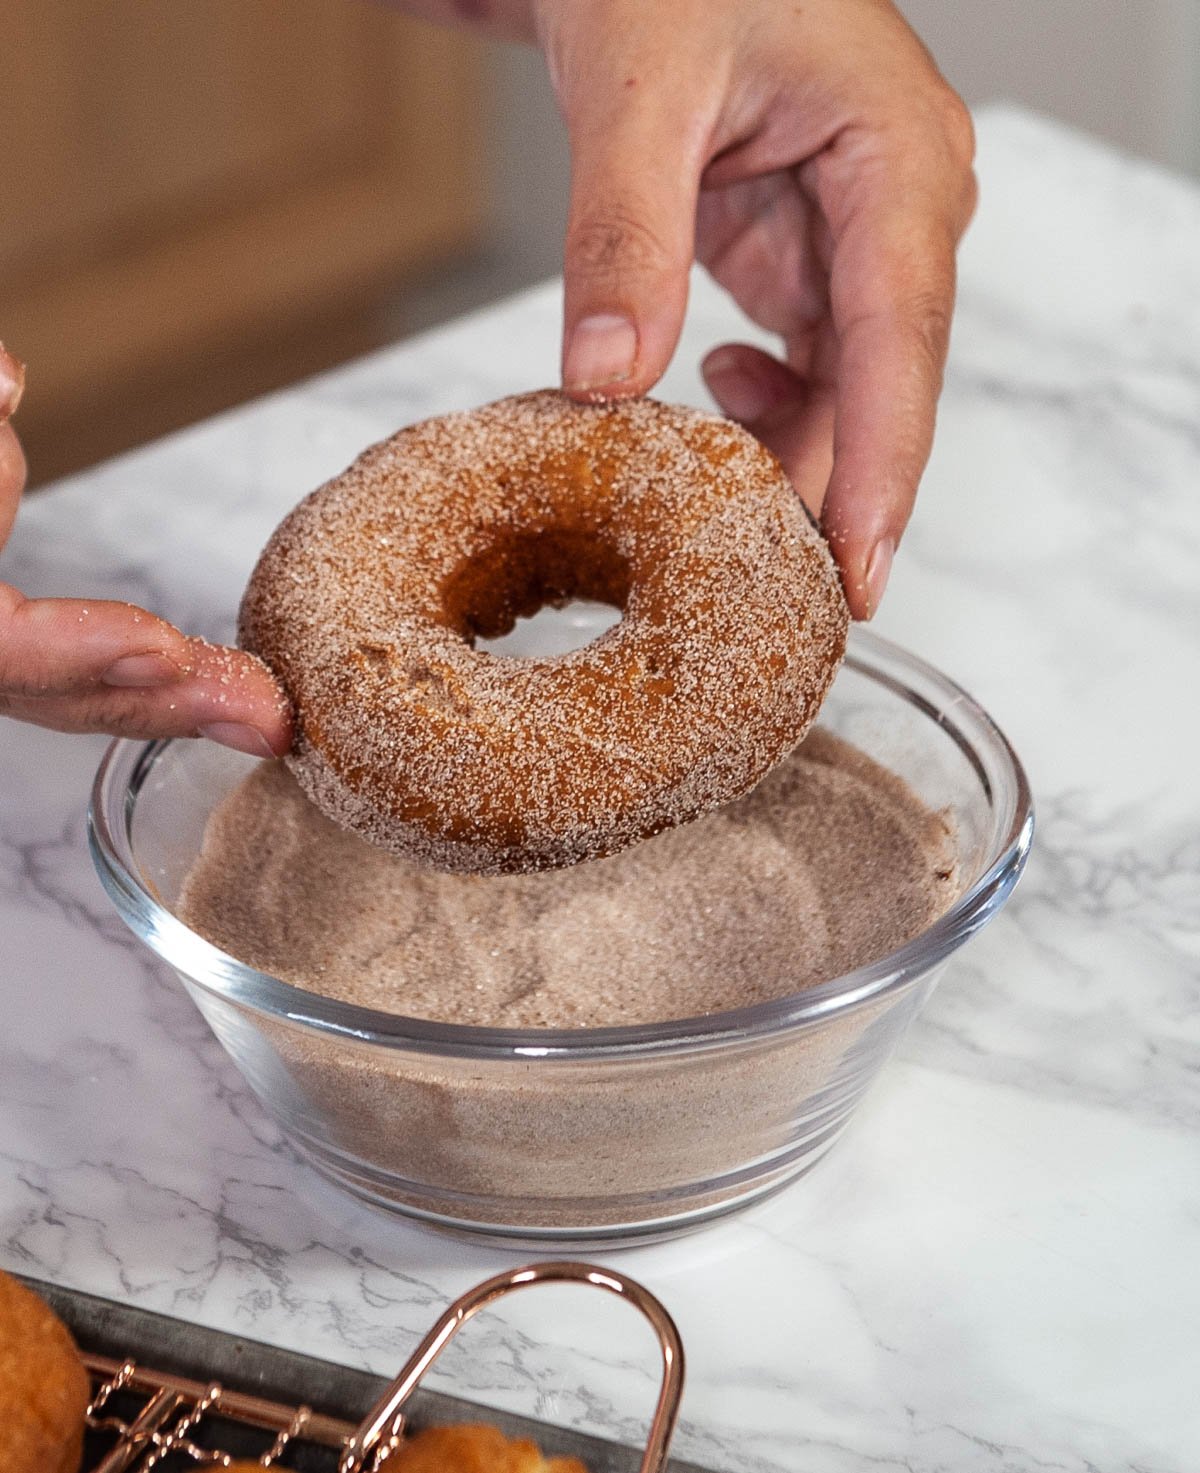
[892, 287]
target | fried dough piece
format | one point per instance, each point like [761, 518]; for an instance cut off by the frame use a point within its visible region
[44, 1388]
[474, 1448]
[463, 1449]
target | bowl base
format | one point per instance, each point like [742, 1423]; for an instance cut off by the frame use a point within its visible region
[581, 1236]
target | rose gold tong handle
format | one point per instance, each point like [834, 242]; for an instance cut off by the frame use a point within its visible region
[383, 1424]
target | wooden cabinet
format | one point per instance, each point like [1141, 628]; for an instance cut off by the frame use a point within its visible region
[199, 201]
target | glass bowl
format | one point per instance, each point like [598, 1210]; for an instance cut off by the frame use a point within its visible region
[593, 1134]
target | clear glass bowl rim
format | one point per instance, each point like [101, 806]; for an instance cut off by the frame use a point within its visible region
[127, 763]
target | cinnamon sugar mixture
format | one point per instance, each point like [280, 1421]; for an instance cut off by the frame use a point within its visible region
[828, 864]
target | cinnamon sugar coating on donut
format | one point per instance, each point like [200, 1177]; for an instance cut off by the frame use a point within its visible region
[368, 597]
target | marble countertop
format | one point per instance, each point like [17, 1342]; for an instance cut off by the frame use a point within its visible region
[996, 1269]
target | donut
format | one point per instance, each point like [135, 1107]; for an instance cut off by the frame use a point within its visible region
[44, 1388]
[369, 597]
[466, 1448]
[474, 1448]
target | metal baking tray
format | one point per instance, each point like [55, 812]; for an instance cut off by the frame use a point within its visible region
[204, 1397]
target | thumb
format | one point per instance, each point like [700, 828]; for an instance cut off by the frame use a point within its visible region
[630, 234]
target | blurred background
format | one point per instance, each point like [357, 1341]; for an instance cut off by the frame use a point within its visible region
[202, 202]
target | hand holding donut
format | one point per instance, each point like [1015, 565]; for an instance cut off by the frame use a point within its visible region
[814, 160]
[93, 665]
[820, 168]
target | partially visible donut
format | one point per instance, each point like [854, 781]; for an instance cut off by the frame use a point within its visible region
[44, 1388]
[474, 1448]
[369, 596]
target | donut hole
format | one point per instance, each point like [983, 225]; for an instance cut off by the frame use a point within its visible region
[532, 577]
[554, 631]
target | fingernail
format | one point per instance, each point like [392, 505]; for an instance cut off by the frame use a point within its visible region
[602, 352]
[12, 383]
[878, 570]
[240, 738]
[741, 395]
[142, 670]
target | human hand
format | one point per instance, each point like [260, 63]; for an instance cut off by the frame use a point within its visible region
[87, 665]
[812, 157]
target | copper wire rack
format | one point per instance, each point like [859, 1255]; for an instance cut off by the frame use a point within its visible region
[170, 1396]
[141, 1418]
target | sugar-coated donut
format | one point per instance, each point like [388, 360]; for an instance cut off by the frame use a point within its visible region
[367, 600]
[475, 1448]
[44, 1388]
